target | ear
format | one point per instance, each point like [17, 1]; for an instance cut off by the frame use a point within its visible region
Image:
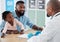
[5, 19]
[51, 10]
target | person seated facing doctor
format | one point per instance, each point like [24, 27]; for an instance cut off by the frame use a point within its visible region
[19, 14]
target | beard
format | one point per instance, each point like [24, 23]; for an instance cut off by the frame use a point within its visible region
[48, 15]
[20, 12]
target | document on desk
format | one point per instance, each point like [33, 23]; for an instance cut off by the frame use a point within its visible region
[23, 36]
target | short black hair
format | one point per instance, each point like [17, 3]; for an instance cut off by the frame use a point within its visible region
[4, 14]
[19, 2]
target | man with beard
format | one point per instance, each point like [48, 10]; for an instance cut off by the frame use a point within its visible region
[19, 15]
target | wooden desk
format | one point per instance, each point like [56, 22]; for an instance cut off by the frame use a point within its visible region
[14, 38]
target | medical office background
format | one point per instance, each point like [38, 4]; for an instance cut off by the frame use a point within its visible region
[35, 10]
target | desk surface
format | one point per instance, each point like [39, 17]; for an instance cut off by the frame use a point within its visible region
[14, 38]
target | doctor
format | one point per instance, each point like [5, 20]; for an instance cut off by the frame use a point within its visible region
[51, 32]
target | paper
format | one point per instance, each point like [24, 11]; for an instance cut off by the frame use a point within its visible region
[23, 36]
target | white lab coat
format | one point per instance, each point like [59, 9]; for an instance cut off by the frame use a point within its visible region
[51, 32]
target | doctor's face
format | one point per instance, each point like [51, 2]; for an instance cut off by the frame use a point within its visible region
[49, 10]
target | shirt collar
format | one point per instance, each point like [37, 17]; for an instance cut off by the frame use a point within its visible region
[16, 15]
[57, 14]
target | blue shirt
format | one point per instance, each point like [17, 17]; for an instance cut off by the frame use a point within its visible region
[23, 19]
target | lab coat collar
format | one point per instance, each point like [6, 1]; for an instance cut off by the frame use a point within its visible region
[57, 14]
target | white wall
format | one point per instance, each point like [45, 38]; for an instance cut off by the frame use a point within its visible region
[2, 8]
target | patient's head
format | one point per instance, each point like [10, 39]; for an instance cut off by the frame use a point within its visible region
[7, 16]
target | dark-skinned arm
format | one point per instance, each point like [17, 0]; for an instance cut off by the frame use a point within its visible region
[37, 28]
[3, 35]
